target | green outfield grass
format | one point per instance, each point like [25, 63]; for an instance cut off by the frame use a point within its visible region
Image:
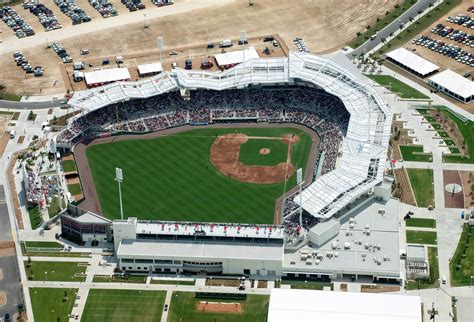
[421, 222]
[183, 308]
[396, 86]
[68, 165]
[409, 153]
[422, 183]
[461, 265]
[51, 305]
[172, 178]
[55, 271]
[421, 237]
[123, 306]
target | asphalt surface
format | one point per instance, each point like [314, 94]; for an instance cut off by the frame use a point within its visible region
[392, 27]
[10, 284]
[31, 105]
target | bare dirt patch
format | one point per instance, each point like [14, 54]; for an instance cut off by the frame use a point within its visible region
[264, 151]
[325, 25]
[467, 178]
[225, 156]
[219, 307]
[3, 298]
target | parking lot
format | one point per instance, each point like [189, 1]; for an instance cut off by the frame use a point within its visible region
[125, 35]
[197, 54]
[449, 42]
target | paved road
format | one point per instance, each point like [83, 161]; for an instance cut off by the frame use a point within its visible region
[10, 284]
[31, 105]
[394, 26]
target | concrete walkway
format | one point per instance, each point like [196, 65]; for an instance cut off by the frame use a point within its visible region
[164, 315]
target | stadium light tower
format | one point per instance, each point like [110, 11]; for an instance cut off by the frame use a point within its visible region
[119, 179]
[160, 44]
[299, 181]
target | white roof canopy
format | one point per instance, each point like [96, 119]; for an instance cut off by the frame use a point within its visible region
[150, 68]
[412, 61]
[455, 83]
[107, 75]
[364, 147]
[305, 306]
[236, 57]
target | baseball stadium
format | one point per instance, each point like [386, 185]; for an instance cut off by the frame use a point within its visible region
[268, 153]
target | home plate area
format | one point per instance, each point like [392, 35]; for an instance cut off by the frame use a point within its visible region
[219, 307]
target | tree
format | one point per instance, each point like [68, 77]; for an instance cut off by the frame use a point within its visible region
[368, 27]
[387, 13]
[2, 90]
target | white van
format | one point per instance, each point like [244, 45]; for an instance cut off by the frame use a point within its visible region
[443, 279]
[12, 134]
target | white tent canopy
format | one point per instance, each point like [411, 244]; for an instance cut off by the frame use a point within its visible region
[236, 57]
[455, 83]
[308, 306]
[106, 76]
[150, 68]
[414, 62]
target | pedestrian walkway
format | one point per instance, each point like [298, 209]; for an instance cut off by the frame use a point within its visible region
[80, 301]
[164, 315]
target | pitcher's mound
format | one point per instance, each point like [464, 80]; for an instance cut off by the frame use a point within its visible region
[264, 151]
[3, 298]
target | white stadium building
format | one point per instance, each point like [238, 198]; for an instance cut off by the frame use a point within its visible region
[357, 233]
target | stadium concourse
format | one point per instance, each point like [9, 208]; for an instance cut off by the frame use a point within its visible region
[324, 94]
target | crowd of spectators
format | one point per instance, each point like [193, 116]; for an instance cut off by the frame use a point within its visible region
[316, 109]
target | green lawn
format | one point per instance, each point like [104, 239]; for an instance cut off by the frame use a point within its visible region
[421, 237]
[43, 244]
[431, 282]
[68, 165]
[53, 208]
[422, 183]
[461, 265]
[309, 285]
[56, 271]
[183, 308]
[74, 189]
[35, 217]
[421, 222]
[408, 153]
[173, 282]
[9, 96]
[172, 178]
[118, 279]
[50, 305]
[396, 86]
[467, 131]
[249, 152]
[123, 306]
[419, 26]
